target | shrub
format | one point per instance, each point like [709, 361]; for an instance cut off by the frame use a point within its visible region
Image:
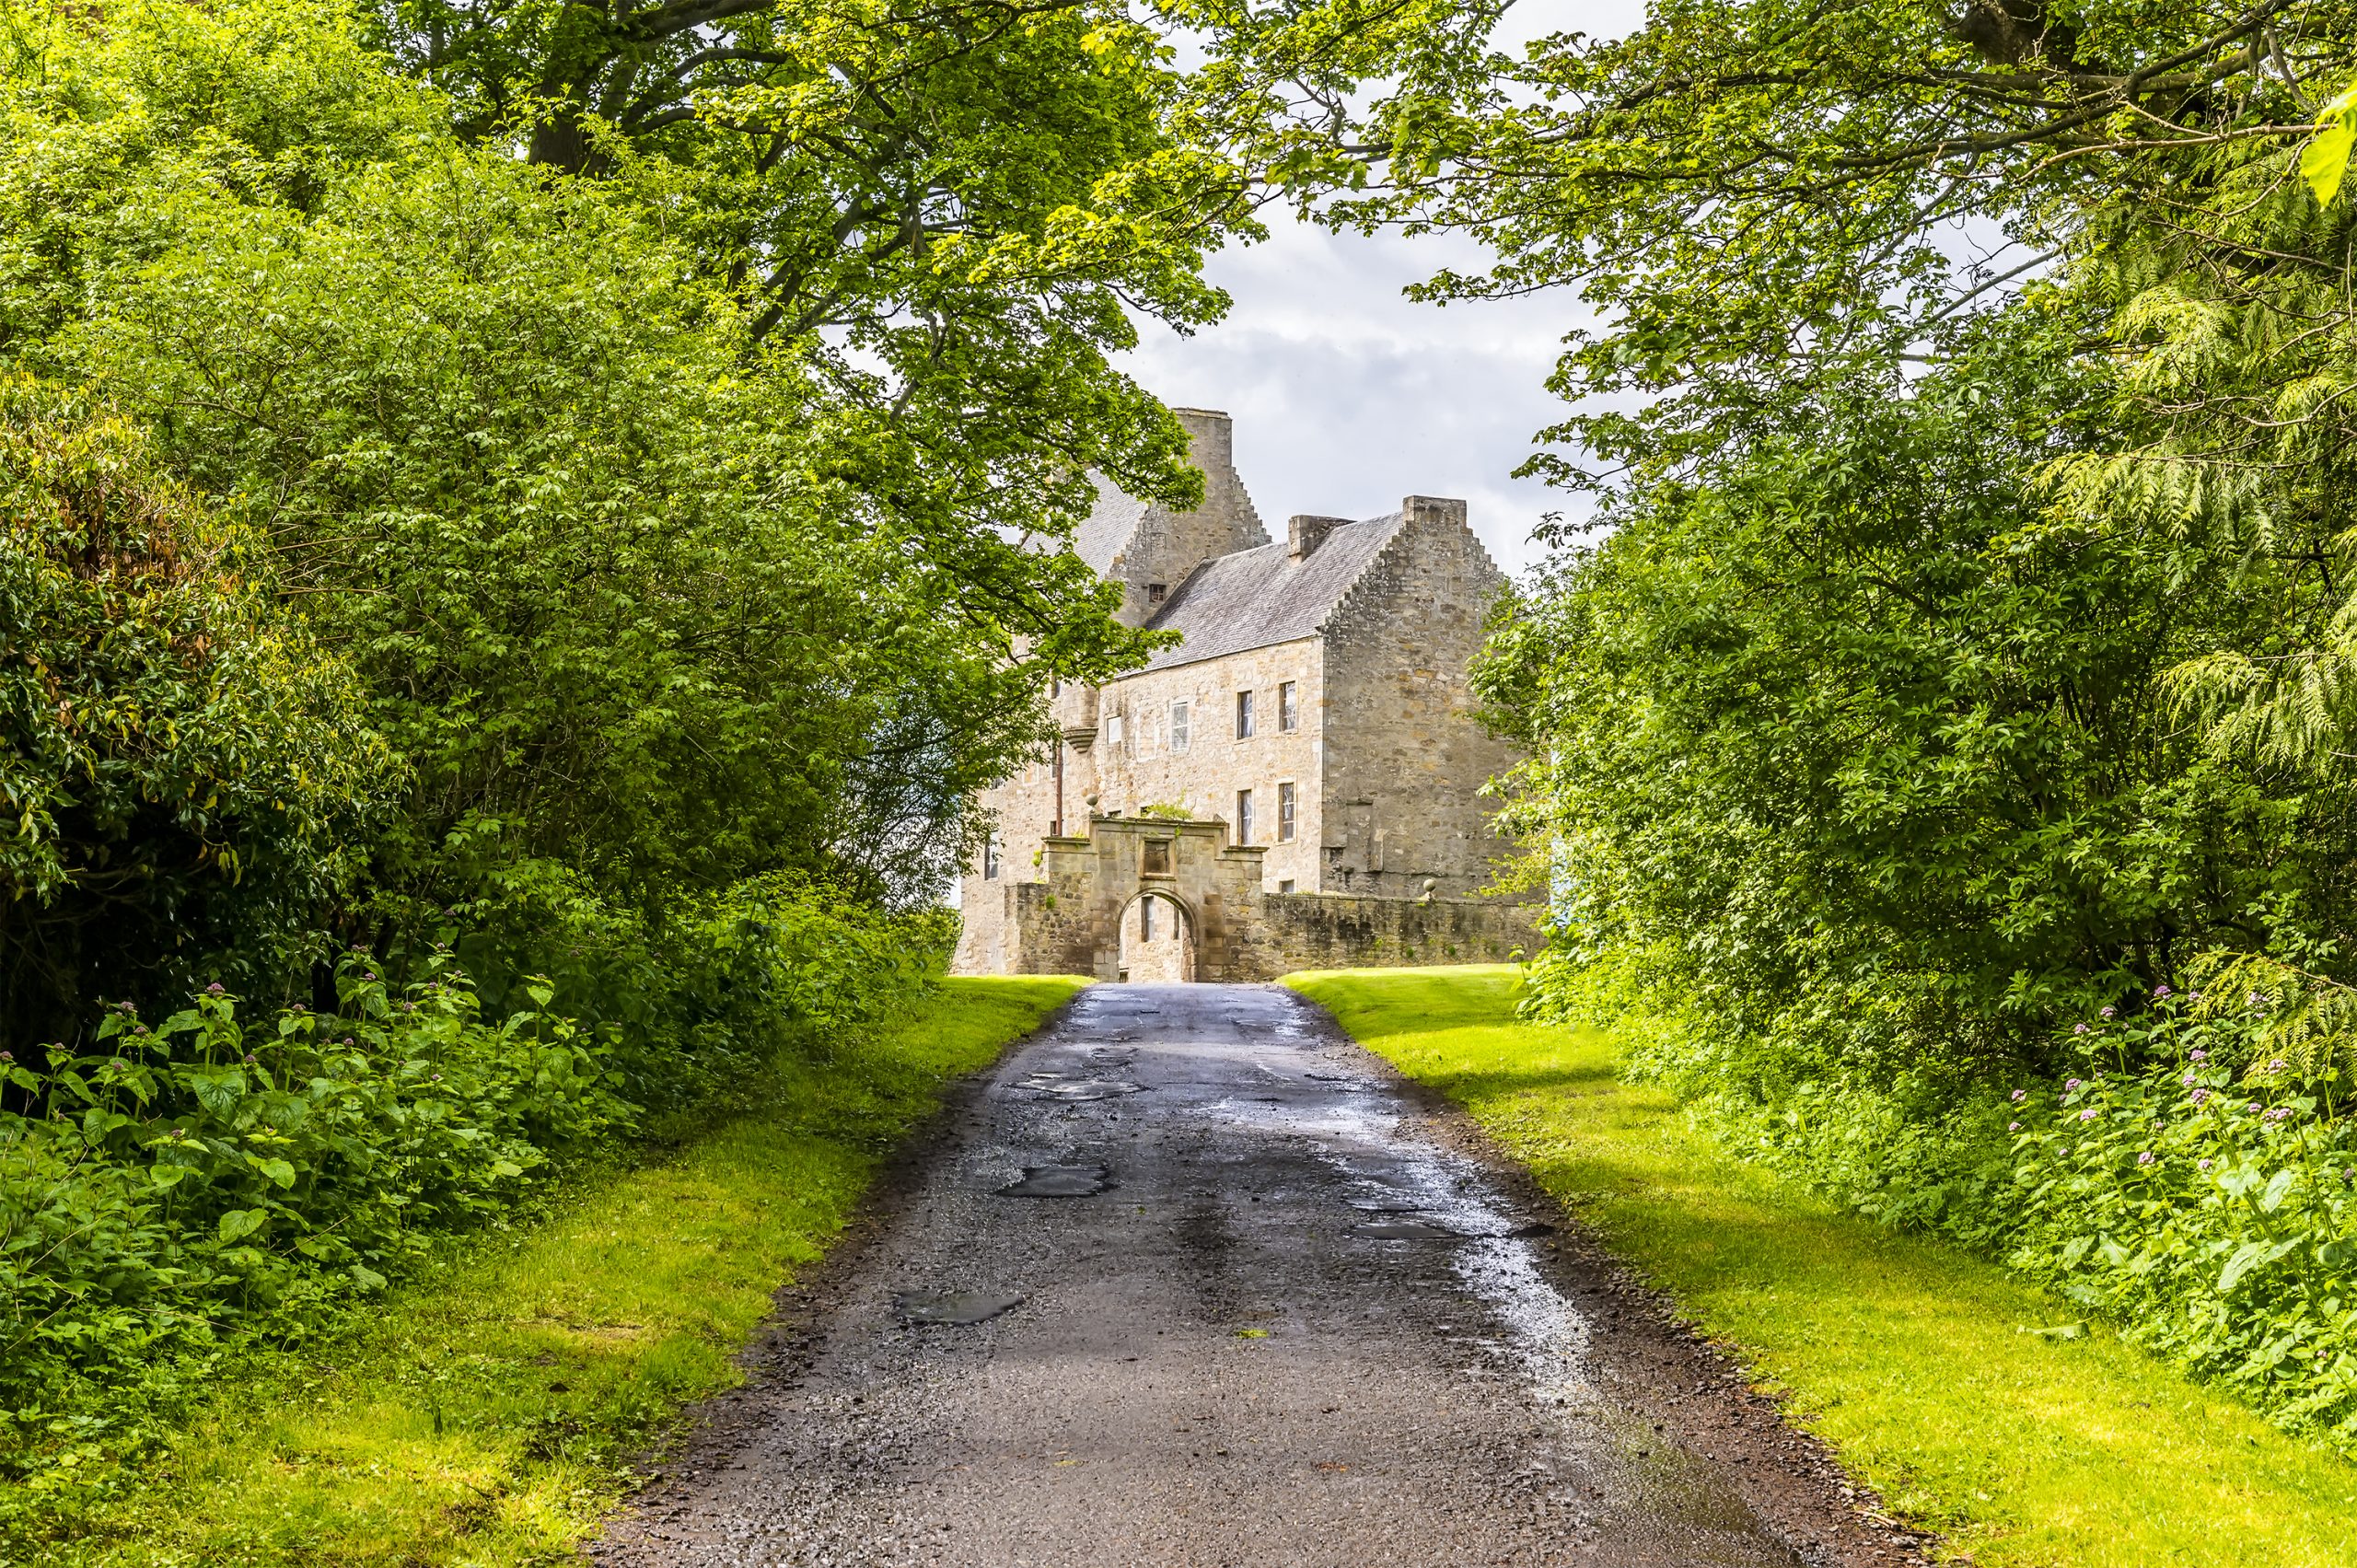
[179, 1184]
[179, 761]
[695, 1000]
[2204, 1194]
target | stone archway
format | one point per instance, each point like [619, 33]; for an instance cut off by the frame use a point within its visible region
[1074, 923]
[1157, 939]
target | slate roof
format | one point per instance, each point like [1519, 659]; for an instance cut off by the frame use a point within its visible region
[1108, 526]
[1257, 597]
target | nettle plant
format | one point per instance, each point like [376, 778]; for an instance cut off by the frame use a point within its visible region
[203, 1177]
[2198, 1183]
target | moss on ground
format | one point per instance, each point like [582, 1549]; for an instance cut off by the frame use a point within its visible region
[488, 1416]
[1913, 1359]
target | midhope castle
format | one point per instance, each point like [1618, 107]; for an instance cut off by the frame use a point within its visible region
[1294, 785]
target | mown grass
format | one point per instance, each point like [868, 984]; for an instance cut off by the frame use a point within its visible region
[488, 1417]
[1912, 1358]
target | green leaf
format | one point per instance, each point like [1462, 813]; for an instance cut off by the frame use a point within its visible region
[238, 1224]
[167, 1177]
[278, 1170]
[2272, 1198]
[2246, 1256]
[367, 1278]
[2324, 160]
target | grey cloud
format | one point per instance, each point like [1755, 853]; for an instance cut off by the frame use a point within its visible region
[1347, 396]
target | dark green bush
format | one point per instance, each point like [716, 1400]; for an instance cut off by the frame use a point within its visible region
[204, 1178]
[182, 771]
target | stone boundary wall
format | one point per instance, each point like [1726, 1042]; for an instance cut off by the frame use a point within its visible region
[1336, 931]
[1032, 928]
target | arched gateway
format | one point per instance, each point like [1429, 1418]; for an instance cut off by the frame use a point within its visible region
[1070, 920]
[1208, 887]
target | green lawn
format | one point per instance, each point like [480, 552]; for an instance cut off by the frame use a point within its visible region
[487, 1417]
[1909, 1357]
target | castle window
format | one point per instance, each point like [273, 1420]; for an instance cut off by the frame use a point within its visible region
[1288, 706]
[1244, 816]
[1284, 813]
[1113, 730]
[1243, 715]
[1178, 716]
[990, 858]
[1158, 857]
[1153, 592]
[1285, 886]
[1145, 918]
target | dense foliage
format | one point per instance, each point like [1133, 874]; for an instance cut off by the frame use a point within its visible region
[2205, 1193]
[456, 521]
[181, 762]
[1959, 653]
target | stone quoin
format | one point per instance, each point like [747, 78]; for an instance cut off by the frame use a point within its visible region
[1294, 785]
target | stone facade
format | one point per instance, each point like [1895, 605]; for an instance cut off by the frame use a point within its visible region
[1082, 915]
[1314, 728]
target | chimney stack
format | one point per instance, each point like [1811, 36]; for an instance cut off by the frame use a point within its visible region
[1304, 533]
[1433, 509]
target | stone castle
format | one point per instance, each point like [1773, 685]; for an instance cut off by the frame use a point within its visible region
[1294, 785]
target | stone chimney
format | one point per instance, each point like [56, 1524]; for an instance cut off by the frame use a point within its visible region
[1210, 439]
[1304, 533]
[1433, 509]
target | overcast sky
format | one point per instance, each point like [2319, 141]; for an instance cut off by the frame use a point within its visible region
[1347, 396]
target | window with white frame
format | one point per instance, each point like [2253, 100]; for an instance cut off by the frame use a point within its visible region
[1244, 816]
[1113, 730]
[1243, 715]
[990, 858]
[1179, 714]
[1288, 706]
[1284, 813]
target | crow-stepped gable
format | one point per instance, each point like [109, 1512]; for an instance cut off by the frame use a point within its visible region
[1294, 783]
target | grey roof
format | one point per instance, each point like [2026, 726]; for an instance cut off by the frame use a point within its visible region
[1256, 599]
[1108, 526]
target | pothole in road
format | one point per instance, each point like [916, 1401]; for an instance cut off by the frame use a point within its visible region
[1059, 1181]
[1049, 1086]
[957, 1308]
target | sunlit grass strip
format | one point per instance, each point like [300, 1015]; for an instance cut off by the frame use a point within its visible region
[1913, 1359]
[486, 1418]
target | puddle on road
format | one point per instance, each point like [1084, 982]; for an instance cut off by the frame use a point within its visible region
[1407, 1230]
[1061, 1181]
[956, 1308]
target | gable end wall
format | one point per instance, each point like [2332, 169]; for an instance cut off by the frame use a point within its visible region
[1405, 754]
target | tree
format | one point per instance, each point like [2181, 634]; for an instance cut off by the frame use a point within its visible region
[1766, 200]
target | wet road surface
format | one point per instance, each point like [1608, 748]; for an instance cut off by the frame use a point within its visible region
[1191, 1278]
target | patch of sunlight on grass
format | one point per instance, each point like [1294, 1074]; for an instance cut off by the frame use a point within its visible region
[1908, 1356]
[487, 1417]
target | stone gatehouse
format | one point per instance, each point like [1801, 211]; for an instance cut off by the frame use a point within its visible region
[1294, 785]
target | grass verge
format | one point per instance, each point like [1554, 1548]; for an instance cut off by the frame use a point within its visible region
[488, 1416]
[1910, 1358]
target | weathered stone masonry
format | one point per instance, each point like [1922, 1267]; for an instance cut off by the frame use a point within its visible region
[1320, 689]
